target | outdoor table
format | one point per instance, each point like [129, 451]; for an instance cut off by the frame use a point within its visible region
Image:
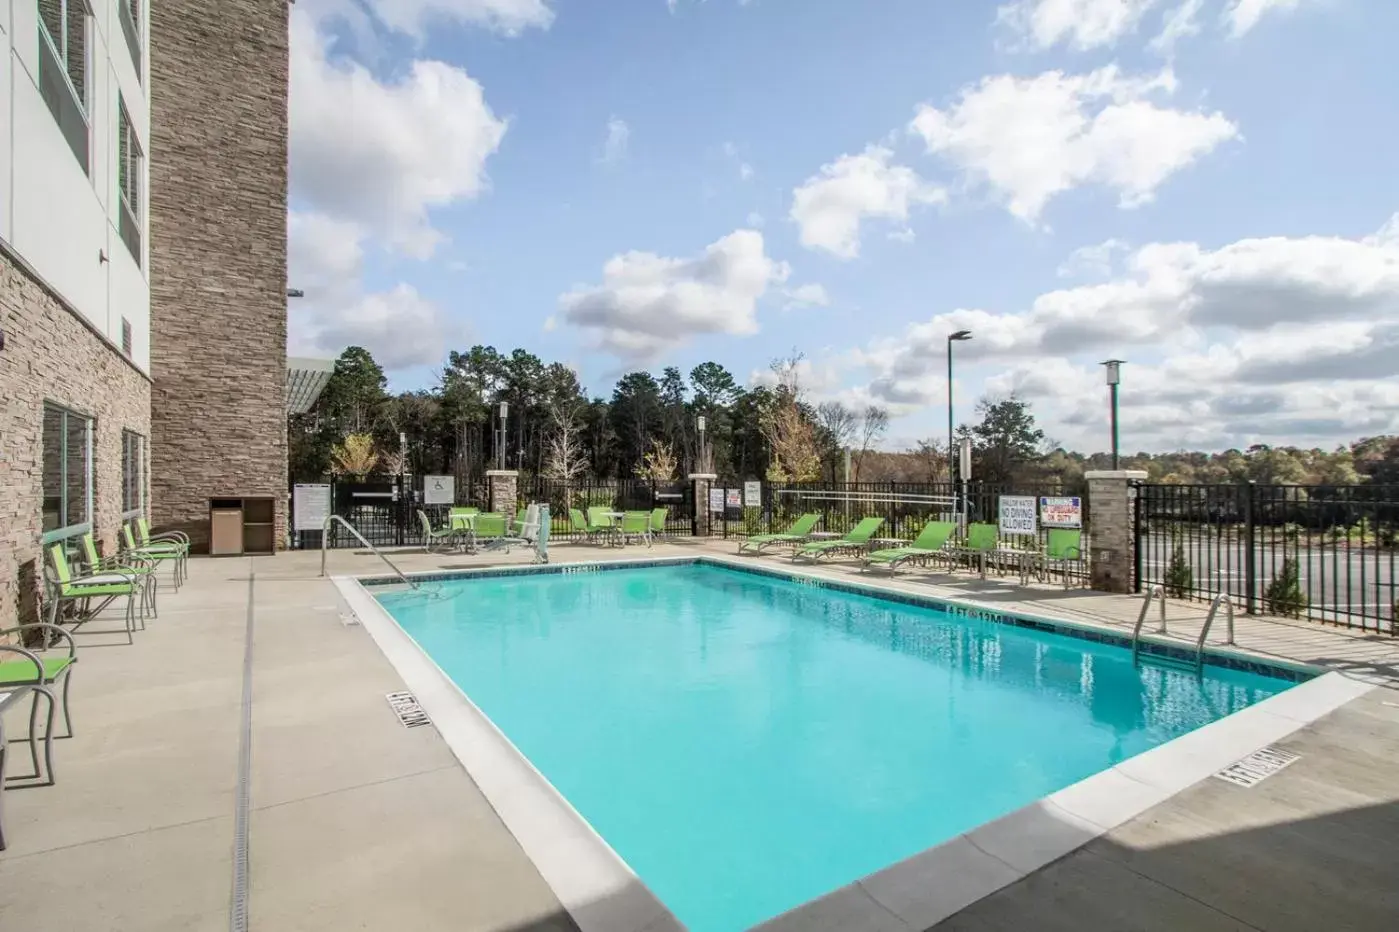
[1023, 559]
[616, 518]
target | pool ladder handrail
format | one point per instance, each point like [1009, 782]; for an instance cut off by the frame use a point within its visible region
[1153, 592]
[325, 541]
[1221, 599]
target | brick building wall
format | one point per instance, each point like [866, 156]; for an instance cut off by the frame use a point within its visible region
[50, 355]
[218, 230]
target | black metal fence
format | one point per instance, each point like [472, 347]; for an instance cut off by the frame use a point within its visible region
[904, 506]
[1323, 552]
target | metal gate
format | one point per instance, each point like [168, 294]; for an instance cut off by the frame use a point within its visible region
[1328, 553]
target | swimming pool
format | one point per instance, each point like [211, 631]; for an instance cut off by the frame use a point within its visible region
[746, 743]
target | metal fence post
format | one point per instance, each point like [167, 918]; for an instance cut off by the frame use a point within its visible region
[1250, 551]
[1137, 509]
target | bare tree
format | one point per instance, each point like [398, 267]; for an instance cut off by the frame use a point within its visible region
[932, 455]
[838, 421]
[566, 457]
[874, 424]
[659, 463]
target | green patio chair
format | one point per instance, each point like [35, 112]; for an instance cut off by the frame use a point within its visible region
[930, 544]
[65, 587]
[32, 671]
[156, 552]
[490, 526]
[441, 540]
[857, 539]
[600, 518]
[636, 524]
[798, 533]
[983, 540]
[172, 541]
[658, 519]
[95, 564]
[39, 665]
[1064, 550]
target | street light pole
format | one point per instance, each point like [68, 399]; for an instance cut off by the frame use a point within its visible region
[500, 444]
[1114, 376]
[956, 337]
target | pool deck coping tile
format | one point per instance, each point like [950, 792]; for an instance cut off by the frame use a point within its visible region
[602, 893]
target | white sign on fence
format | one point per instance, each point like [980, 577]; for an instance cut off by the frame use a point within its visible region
[733, 498]
[752, 494]
[310, 504]
[1018, 514]
[439, 490]
[1060, 511]
[716, 501]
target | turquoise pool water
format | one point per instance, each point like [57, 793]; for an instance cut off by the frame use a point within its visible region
[748, 743]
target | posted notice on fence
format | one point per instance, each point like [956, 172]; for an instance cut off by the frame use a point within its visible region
[1061, 511]
[1018, 514]
[733, 498]
[310, 504]
[439, 490]
[752, 494]
[716, 501]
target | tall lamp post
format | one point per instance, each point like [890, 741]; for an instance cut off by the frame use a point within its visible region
[701, 461]
[500, 441]
[1114, 374]
[956, 337]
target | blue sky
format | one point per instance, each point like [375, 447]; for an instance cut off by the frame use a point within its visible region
[855, 180]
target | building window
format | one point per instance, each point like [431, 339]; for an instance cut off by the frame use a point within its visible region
[129, 12]
[67, 468]
[63, 68]
[126, 336]
[130, 170]
[133, 473]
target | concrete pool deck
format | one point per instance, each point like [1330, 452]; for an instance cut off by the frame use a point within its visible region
[357, 822]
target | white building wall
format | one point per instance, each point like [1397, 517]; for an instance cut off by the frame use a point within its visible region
[63, 221]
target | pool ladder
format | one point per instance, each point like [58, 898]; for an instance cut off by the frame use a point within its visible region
[325, 541]
[1157, 593]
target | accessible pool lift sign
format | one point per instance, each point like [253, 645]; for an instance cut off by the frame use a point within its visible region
[1017, 515]
[439, 490]
[1061, 511]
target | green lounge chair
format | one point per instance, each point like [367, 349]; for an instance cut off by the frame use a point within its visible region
[798, 533]
[658, 518]
[857, 539]
[41, 665]
[1064, 550]
[983, 540]
[156, 552]
[436, 541]
[144, 569]
[931, 542]
[636, 524]
[66, 587]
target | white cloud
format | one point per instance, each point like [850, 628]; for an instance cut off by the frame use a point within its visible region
[1030, 139]
[754, 219]
[1082, 24]
[808, 295]
[648, 304]
[1255, 339]
[1095, 261]
[830, 206]
[744, 169]
[614, 147]
[1181, 22]
[417, 17]
[906, 235]
[383, 154]
[399, 326]
[1242, 15]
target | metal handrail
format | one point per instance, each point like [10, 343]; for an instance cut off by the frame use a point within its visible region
[1155, 592]
[1221, 599]
[325, 541]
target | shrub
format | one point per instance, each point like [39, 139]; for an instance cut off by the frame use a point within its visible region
[1180, 578]
[1284, 596]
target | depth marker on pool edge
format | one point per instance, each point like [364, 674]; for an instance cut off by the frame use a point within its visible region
[1257, 767]
[405, 706]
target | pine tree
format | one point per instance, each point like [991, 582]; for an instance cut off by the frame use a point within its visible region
[1180, 578]
[1284, 595]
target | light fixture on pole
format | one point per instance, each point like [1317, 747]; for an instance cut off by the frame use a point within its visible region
[701, 459]
[956, 337]
[1114, 375]
[500, 439]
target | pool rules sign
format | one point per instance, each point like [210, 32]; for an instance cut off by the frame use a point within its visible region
[1018, 514]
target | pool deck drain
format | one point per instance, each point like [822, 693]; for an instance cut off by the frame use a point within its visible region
[359, 822]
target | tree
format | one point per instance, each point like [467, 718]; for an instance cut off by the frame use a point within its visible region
[788, 428]
[659, 463]
[835, 427]
[931, 455]
[874, 423]
[636, 418]
[355, 456]
[354, 393]
[1180, 577]
[567, 458]
[1005, 439]
[1284, 596]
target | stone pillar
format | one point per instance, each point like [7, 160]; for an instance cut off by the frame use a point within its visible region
[504, 489]
[700, 484]
[1112, 528]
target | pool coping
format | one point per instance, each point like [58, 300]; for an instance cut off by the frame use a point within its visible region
[603, 894]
